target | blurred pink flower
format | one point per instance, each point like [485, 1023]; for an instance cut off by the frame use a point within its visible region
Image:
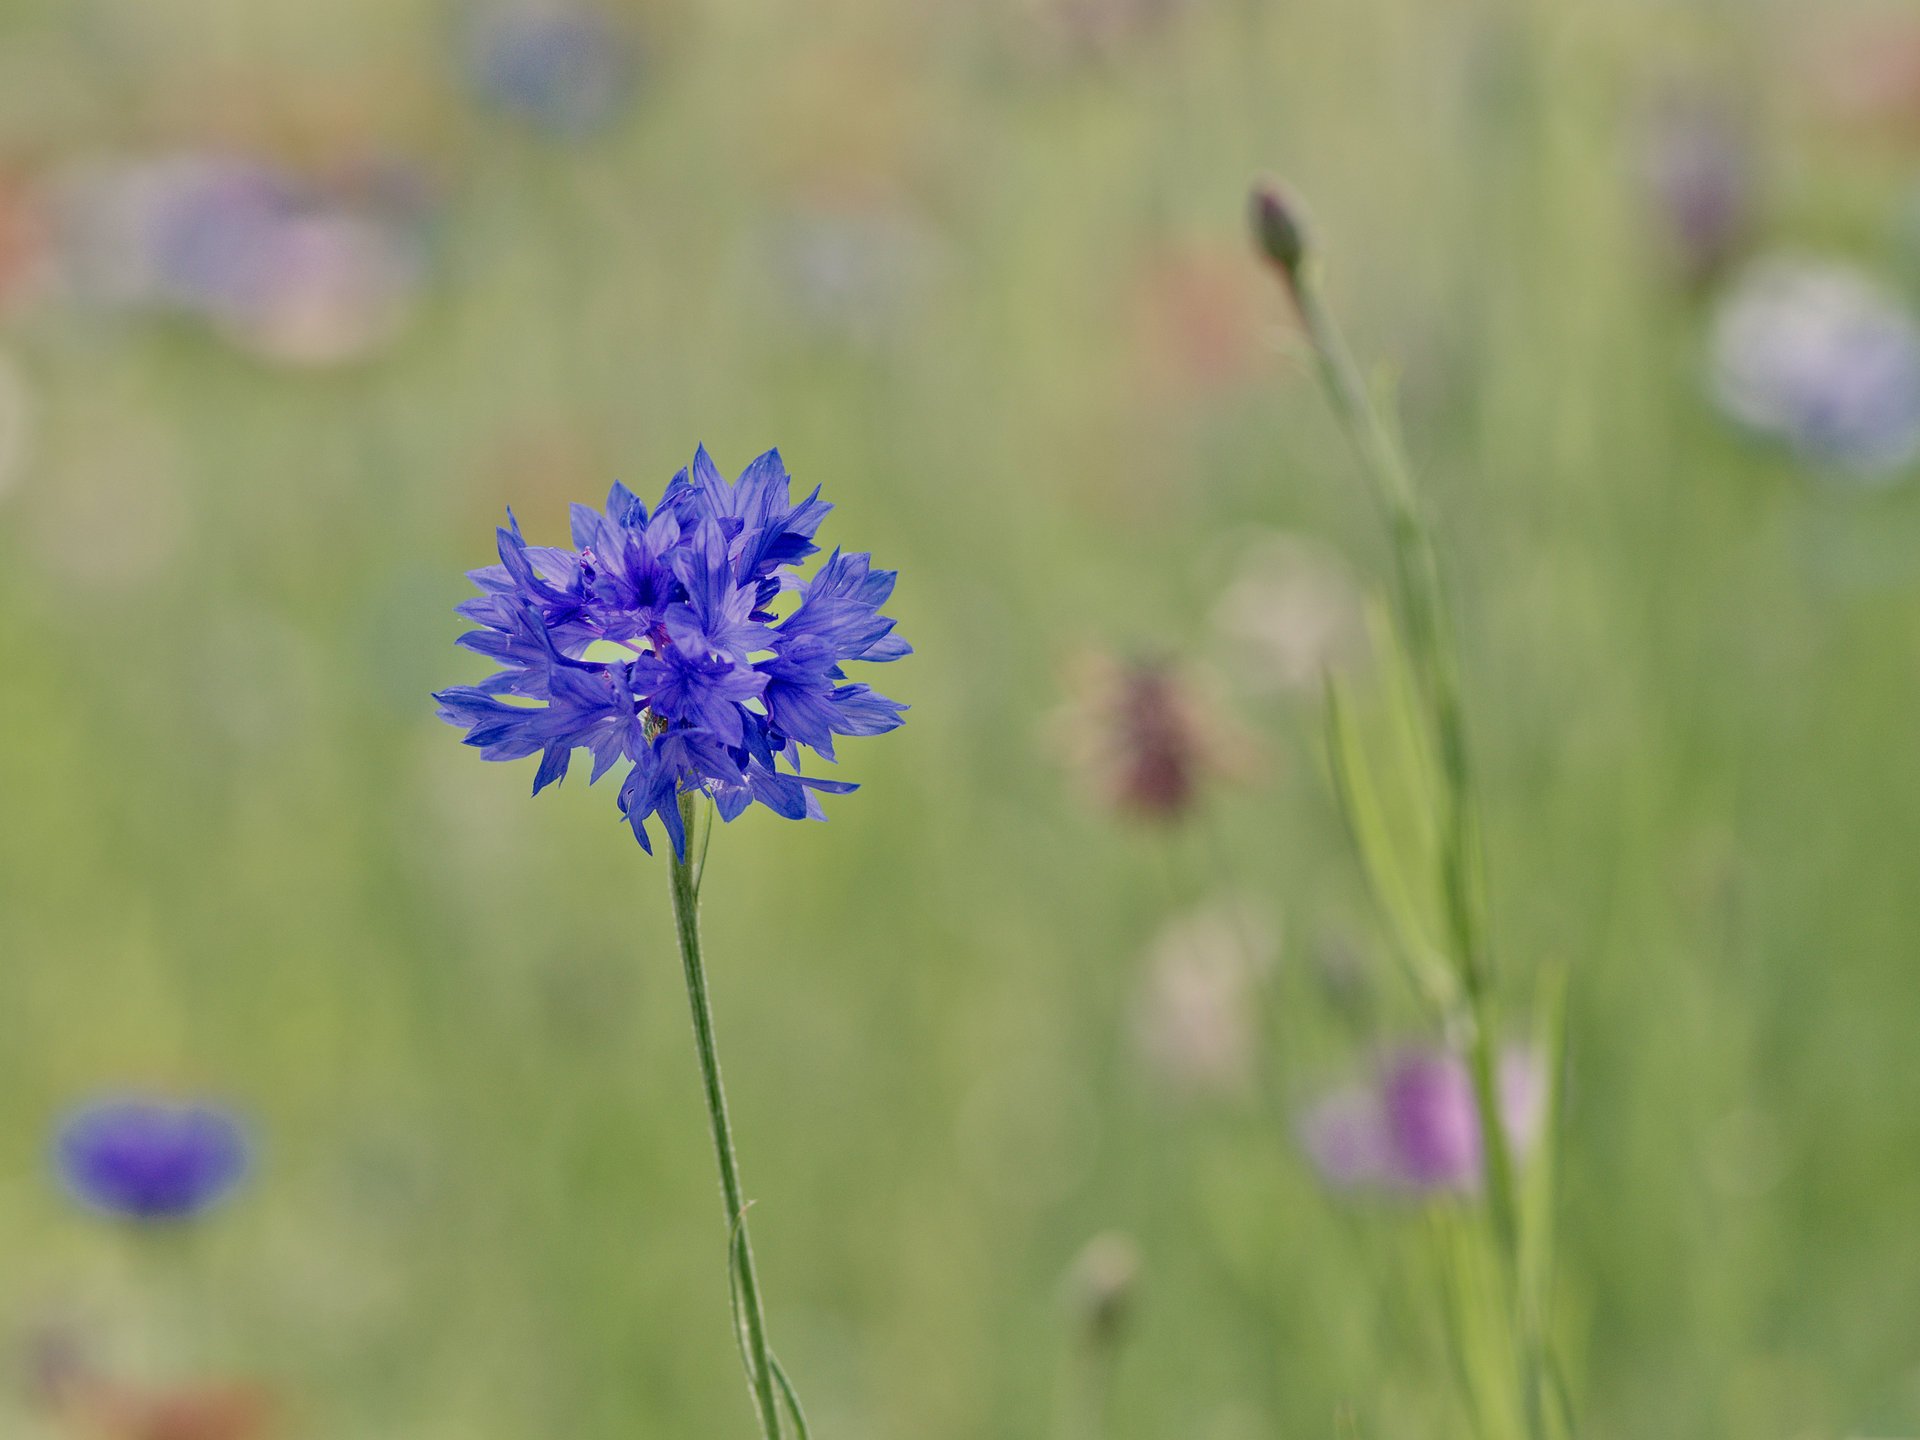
[1414, 1126]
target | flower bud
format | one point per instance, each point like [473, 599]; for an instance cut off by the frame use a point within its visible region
[1278, 227]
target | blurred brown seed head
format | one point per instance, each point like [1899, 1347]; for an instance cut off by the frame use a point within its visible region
[1147, 737]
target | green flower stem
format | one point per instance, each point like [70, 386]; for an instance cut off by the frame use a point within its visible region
[752, 1318]
[1423, 610]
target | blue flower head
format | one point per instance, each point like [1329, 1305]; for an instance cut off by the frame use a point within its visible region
[682, 642]
[146, 1159]
[564, 69]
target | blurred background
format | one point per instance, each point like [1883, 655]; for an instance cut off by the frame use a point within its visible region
[295, 299]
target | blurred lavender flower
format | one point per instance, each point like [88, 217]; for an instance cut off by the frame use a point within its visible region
[1697, 169]
[286, 267]
[327, 288]
[565, 69]
[1147, 735]
[149, 1160]
[1197, 1018]
[1414, 1127]
[1820, 357]
[1292, 614]
[707, 687]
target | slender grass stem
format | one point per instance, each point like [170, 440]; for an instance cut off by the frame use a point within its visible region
[752, 1316]
[1422, 603]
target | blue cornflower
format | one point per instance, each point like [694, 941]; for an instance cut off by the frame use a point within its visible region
[147, 1159]
[658, 640]
[565, 69]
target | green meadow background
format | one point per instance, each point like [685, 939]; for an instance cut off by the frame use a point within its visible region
[240, 857]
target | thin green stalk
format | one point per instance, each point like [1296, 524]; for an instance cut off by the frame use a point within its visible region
[1429, 641]
[1423, 609]
[752, 1317]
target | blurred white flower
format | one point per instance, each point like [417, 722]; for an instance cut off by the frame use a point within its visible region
[1291, 613]
[1198, 1017]
[1820, 357]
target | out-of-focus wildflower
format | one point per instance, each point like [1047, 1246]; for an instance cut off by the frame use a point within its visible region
[704, 686]
[1697, 170]
[329, 287]
[150, 1159]
[80, 1399]
[1823, 359]
[1414, 1126]
[1865, 72]
[1102, 1284]
[196, 1412]
[1292, 614]
[1197, 1021]
[563, 68]
[286, 267]
[23, 239]
[1147, 735]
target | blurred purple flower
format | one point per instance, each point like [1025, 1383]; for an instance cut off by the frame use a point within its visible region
[148, 1159]
[325, 288]
[567, 70]
[1820, 357]
[1697, 168]
[1414, 1127]
[286, 267]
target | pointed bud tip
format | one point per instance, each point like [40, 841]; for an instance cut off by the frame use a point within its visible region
[1278, 227]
